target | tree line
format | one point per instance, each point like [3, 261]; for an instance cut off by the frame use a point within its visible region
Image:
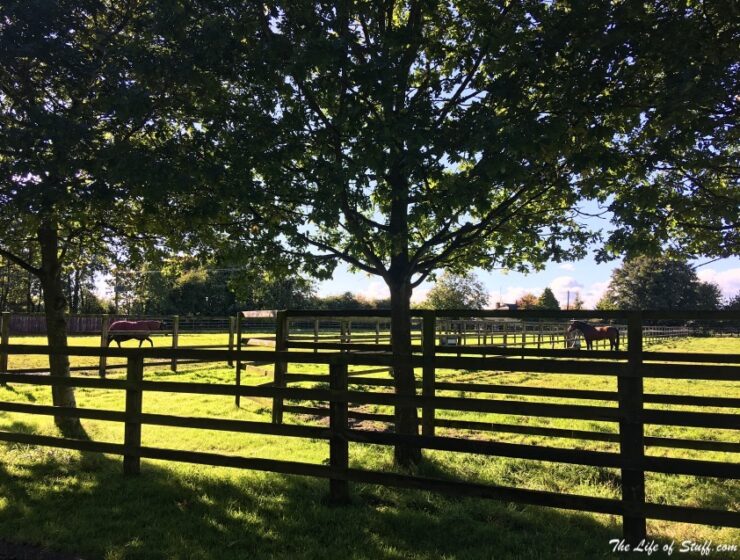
[184, 288]
[640, 283]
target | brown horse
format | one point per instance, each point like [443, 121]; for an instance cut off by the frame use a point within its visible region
[121, 331]
[591, 333]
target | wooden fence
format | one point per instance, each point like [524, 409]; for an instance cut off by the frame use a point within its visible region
[35, 323]
[629, 368]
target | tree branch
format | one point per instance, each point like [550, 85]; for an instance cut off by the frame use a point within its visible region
[15, 259]
[343, 255]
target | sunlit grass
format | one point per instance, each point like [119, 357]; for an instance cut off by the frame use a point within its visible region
[82, 502]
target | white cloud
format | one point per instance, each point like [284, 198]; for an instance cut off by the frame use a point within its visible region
[567, 266]
[593, 294]
[589, 294]
[562, 285]
[727, 280]
[510, 294]
[374, 290]
[419, 294]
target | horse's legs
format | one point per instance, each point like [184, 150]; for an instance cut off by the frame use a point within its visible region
[150, 341]
[141, 340]
[589, 344]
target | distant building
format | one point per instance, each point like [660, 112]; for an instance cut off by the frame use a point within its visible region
[506, 306]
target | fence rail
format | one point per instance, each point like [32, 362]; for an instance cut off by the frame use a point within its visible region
[35, 323]
[623, 408]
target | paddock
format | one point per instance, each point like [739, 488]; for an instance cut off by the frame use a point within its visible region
[657, 425]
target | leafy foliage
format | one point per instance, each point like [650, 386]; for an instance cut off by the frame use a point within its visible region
[733, 303]
[347, 300]
[415, 136]
[547, 300]
[453, 291]
[527, 301]
[661, 284]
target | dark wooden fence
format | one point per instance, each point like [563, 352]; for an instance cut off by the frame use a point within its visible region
[35, 323]
[629, 367]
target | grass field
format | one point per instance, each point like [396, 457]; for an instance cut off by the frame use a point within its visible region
[81, 503]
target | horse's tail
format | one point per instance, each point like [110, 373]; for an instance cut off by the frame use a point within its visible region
[616, 339]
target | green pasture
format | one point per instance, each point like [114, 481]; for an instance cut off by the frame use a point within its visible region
[81, 503]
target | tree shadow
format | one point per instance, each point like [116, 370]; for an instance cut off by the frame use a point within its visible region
[83, 504]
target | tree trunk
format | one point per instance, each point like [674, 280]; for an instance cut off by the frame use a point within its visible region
[406, 417]
[56, 324]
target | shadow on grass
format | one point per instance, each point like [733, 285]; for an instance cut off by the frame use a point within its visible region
[82, 503]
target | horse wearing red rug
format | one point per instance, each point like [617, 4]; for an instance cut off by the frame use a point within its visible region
[121, 331]
[591, 333]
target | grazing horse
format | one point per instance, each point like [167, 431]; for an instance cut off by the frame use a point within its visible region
[591, 333]
[119, 331]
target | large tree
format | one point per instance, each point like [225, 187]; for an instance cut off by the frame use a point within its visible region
[457, 291]
[547, 300]
[91, 105]
[659, 283]
[403, 137]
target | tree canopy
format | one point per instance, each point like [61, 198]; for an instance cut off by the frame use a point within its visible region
[659, 283]
[407, 137]
[92, 100]
[453, 291]
[547, 300]
[413, 136]
[527, 301]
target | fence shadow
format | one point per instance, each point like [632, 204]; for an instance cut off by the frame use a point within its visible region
[82, 504]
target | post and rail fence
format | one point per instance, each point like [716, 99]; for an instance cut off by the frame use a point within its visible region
[327, 328]
[630, 416]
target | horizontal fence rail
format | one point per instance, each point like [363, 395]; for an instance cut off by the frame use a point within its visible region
[337, 395]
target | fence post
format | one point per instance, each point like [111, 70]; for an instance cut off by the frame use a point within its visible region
[281, 367]
[4, 339]
[104, 327]
[631, 435]
[238, 397]
[539, 336]
[232, 320]
[338, 426]
[429, 335]
[132, 429]
[316, 334]
[175, 336]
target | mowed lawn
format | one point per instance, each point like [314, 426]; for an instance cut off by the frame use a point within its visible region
[81, 503]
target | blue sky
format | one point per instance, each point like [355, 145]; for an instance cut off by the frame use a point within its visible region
[586, 276]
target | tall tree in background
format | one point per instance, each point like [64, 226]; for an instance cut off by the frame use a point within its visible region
[413, 136]
[577, 303]
[547, 300]
[659, 283]
[457, 291]
[733, 303]
[527, 301]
